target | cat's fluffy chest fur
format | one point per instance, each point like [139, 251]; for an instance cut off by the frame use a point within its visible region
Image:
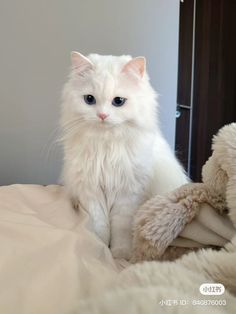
[110, 165]
[115, 156]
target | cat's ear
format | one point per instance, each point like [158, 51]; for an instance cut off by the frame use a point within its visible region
[136, 65]
[80, 63]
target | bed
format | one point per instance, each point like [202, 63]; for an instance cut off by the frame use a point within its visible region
[52, 263]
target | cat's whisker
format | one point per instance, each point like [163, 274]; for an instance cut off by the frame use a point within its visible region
[50, 145]
[70, 129]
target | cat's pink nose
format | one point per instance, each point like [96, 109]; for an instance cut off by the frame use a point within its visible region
[102, 115]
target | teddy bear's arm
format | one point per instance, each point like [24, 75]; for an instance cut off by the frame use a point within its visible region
[160, 220]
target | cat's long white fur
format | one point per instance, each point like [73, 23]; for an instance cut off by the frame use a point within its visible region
[113, 166]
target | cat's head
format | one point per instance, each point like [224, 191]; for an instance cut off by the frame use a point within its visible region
[108, 91]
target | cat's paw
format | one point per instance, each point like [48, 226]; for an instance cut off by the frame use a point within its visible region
[121, 252]
[75, 204]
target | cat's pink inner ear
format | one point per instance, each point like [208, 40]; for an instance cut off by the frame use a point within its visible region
[80, 63]
[136, 65]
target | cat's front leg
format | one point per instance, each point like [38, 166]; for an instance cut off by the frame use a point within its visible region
[98, 217]
[121, 219]
[100, 223]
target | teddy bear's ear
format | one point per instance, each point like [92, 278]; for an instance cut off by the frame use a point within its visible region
[224, 156]
[213, 175]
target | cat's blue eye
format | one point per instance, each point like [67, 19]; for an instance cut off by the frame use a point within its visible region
[90, 99]
[118, 101]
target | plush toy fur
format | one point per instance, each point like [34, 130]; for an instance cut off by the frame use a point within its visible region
[163, 218]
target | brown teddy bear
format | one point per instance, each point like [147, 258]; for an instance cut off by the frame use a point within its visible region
[194, 216]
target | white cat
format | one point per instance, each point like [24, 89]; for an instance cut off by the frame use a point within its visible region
[115, 156]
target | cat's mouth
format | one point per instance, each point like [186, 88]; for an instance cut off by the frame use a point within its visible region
[106, 123]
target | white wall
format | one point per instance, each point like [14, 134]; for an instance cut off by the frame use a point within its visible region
[36, 38]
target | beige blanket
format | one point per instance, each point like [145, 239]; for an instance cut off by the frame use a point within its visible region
[51, 263]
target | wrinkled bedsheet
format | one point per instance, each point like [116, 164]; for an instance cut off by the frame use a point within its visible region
[50, 262]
